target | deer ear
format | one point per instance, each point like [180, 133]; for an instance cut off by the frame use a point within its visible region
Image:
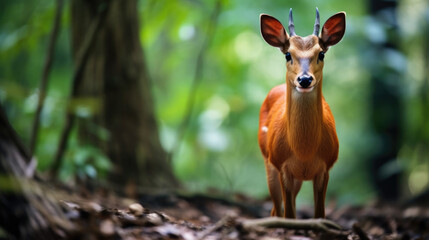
[333, 29]
[273, 31]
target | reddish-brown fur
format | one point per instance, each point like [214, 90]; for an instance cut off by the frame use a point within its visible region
[297, 133]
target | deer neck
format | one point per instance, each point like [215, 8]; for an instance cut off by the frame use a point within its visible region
[303, 119]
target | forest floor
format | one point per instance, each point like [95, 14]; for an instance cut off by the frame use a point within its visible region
[103, 215]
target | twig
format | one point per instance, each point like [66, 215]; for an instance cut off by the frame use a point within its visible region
[81, 59]
[222, 222]
[197, 77]
[359, 231]
[45, 74]
[323, 225]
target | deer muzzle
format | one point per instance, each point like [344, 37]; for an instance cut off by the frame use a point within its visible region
[305, 80]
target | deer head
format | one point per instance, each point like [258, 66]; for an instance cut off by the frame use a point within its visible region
[304, 55]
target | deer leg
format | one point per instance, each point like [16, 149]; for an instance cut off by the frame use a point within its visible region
[290, 187]
[273, 180]
[320, 184]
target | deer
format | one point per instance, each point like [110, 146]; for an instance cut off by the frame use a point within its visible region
[297, 135]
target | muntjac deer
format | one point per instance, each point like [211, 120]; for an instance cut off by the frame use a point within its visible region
[297, 133]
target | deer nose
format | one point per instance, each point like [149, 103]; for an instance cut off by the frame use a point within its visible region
[305, 80]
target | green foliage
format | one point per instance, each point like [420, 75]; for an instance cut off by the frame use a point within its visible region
[84, 161]
[220, 146]
[414, 155]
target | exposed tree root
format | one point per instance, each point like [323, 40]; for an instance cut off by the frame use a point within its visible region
[323, 225]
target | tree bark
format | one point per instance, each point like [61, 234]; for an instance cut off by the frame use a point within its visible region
[26, 211]
[117, 83]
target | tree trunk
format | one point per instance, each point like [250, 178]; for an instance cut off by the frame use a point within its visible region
[385, 104]
[116, 82]
[26, 211]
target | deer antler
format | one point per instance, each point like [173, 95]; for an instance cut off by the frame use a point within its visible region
[317, 23]
[291, 25]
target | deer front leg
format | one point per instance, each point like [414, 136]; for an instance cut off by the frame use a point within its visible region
[273, 180]
[290, 187]
[320, 184]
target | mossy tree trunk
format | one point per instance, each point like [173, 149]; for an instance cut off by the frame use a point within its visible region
[27, 212]
[117, 84]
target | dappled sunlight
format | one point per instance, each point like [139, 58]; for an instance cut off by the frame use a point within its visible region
[418, 179]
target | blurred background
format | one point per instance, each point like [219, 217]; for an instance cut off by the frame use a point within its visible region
[189, 105]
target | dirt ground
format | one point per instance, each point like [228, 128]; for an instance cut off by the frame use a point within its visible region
[180, 216]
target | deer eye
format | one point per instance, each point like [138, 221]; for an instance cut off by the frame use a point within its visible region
[321, 56]
[288, 56]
